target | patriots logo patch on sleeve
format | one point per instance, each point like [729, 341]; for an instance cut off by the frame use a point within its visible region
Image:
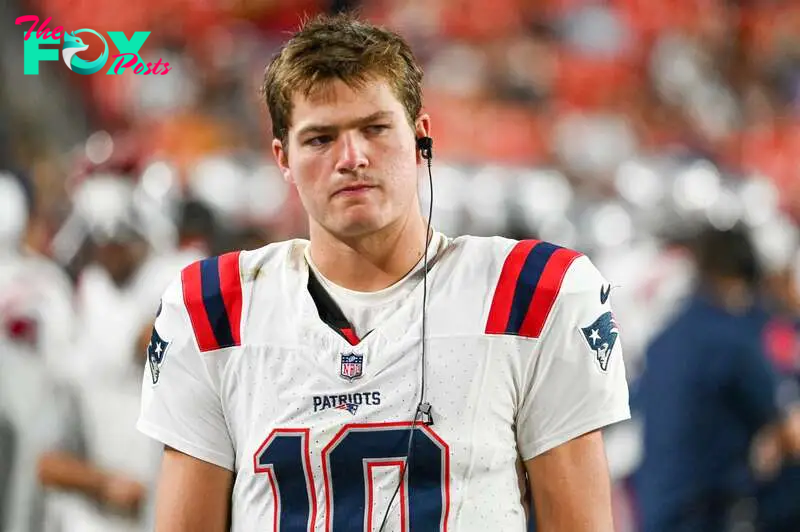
[156, 351]
[601, 337]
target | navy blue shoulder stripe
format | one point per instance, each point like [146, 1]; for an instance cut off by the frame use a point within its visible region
[212, 292]
[527, 288]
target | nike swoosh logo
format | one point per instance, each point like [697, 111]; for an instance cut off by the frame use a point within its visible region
[605, 291]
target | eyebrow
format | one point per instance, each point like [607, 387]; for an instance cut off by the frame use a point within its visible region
[328, 128]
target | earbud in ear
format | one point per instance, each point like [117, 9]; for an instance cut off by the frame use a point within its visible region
[425, 146]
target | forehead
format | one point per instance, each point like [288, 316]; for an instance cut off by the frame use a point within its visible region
[337, 102]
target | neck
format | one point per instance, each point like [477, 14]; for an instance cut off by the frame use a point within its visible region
[371, 262]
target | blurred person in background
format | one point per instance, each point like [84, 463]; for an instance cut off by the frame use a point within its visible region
[709, 399]
[36, 327]
[35, 295]
[126, 265]
[779, 493]
[102, 467]
[197, 228]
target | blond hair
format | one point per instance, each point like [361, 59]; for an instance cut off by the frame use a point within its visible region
[339, 47]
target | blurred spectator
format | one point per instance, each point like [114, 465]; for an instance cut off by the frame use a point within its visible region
[707, 394]
[36, 329]
[196, 228]
[102, 465]
[88, 492]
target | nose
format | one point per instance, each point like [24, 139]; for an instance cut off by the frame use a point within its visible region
[352, 152]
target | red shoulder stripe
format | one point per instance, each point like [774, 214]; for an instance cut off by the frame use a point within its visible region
[544, 297]
[231, 287]
[500, 311]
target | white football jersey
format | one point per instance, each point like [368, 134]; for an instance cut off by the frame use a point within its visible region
[522, 355]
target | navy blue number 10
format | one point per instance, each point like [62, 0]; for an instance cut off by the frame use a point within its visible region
[284, 457]
[347, 463]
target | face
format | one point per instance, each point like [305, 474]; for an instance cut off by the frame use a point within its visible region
[352, 155]
[120, 259]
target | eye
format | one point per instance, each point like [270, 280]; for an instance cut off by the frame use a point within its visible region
[375, 129]
[319, 141]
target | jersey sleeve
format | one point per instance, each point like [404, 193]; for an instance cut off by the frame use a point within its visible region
[181, 406]
[577, 382]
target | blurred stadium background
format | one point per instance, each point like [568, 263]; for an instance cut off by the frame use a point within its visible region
[618, 127]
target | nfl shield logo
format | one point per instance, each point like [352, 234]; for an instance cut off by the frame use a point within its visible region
[352, 366]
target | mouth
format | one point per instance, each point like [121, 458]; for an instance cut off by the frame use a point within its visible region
[354, 190]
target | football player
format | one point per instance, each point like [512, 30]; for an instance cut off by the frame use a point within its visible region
[36, 329]
[99, 469]
[379, 376]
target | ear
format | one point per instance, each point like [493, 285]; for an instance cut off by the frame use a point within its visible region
[282, 160]
[422, 128]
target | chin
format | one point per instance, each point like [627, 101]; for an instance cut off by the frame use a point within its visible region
[359, 226]
[358, 219]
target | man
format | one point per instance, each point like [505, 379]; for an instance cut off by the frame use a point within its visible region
[100, 470]
[709, 399]
[36, 328]
[283, 381]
